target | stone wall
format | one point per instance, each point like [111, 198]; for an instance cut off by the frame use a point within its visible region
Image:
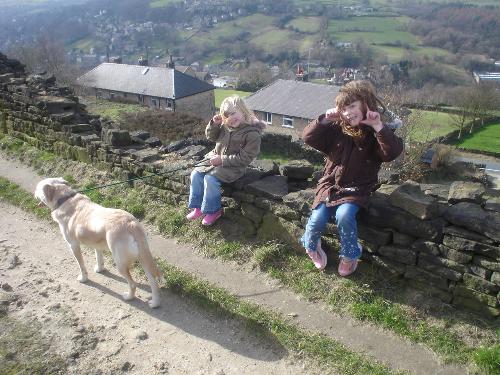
[443, 239]
[202, 105]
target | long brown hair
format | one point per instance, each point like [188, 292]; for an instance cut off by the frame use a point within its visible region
[364, 92]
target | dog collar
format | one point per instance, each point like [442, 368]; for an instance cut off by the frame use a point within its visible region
[63, 199]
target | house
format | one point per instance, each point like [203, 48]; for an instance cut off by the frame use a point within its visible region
[288, 106]
[484, 77]
[156, 87]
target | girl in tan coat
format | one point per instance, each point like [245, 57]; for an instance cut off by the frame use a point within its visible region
[237, 133]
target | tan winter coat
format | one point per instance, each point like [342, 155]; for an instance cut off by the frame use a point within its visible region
[238, 148]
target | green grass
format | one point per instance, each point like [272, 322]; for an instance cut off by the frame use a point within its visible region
[488, 359]
[305, 24]
[162, 3]
[369, 296]
[427, 125]
[83, 44]
[111, 110]
[485, 139]
[221, 94]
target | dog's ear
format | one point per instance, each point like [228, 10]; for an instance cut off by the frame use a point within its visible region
[48, 192]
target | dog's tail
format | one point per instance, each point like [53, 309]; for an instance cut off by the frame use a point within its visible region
[145, 257]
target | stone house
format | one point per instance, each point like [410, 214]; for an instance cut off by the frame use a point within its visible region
[287, 106]
[156, 87]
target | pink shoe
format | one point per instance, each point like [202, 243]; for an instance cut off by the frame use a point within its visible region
[347, 267]
[211, 218]
[318, 257]
[195, 214]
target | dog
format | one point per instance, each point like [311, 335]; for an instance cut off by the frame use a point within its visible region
[83, 222]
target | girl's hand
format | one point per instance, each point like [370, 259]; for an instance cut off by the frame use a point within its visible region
[216, 160]
[217, 119]
[373, 120]
[332, 115]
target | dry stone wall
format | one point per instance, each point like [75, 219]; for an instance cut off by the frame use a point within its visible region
[443, 239]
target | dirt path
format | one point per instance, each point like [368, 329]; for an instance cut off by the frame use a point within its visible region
[179, 334]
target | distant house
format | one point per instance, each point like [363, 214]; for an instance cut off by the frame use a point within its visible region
[156, 87]
[204, 76]
[287, 106]
[485, 77]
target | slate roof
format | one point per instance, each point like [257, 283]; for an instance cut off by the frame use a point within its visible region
[294, 98]
[144, 80]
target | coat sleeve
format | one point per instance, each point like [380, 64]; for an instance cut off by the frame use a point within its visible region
[390, 146]
[246, 154]
[213, 131]
[319, 135]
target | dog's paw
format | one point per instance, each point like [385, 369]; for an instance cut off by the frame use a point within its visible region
[83, 278]
[98, 269]
[154, 304]
[128, 296]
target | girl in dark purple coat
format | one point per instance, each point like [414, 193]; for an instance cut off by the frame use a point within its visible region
[356, 142]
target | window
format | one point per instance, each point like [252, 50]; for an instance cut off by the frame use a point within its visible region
[124, 94]
[141, 98]
[169, 103]
[154, 102]
[287, 122]
[268, 117]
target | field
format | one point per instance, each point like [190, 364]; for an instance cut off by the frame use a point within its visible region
[221, 94]
[427, 125]
[305, 24]
[162, 3]
[111, 110]
[83, 44]
[485, 139]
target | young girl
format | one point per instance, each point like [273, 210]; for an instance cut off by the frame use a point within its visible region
[237, 133]
[355, 142]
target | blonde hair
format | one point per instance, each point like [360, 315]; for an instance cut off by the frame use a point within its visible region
[364, 92]
[234, 102]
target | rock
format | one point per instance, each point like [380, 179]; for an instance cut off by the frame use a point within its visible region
[480, 271]
[479, 284]
[139, 136]
[455, 255]
[410, 198]
[192, 151]
[438, 191]
[116, 137]
[492, 204]
[464, 233]
[251, 175]
[444, 262]
[268, 167]
[13, 261]
[465, 245]
[6, 287]
[251, 212]
[300, 200]
[374, 235]
[127, 366]
[153, 142]
[274, 187]
[399, 254]
[486, 263]
[275, 228]
[473, 217]
[394, 268]
[426, 277]
[297, 169]
[142, 335]
[402, 239]
[426, 247]
[495, 278]
[447, 273]
[461, 191]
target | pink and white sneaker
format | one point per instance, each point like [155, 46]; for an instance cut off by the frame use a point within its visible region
[194, 214]
[211, 218]
[318, 257]
[347, 267]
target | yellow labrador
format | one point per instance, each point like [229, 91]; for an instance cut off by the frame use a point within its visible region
[83, 222]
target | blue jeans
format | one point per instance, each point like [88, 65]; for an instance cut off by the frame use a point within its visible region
[345, 218]
[205, 193]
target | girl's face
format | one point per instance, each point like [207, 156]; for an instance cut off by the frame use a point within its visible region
[354, 113]
[233, 118]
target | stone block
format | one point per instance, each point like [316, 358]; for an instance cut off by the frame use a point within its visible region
[412, 199]
[243, 197]
[472, 304]
[438, 270]
[300, 200]
[480, 271]
[473, 217]
[455, 255]
[466, 245]
[297, 169]
[427, 247]
[393, 267]
[252, 212]
[495, 278]
[275, 228]
[486, 299]
[426, 277]
[444, 262]
[464, 191]
[374, 235]
[286, 212]
[486, 263]
[402, 239]
[479, 284]
[399, 254]
[273, 187]
[440, 294]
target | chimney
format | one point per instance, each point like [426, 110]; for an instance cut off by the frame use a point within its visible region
[171, 63]
[142, 61]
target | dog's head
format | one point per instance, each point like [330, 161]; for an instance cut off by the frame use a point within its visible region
[49, 190]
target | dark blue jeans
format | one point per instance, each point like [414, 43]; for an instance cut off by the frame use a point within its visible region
[345, 218]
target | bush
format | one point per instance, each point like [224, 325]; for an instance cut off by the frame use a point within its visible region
[168, 126]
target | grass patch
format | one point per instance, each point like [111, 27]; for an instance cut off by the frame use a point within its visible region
[221, 94]
[24, 351]
[485, 139]
[488, 359]
[111, 110]
[305, 24]
[319, 347]
[17, 196]
[162, 3]
[427, 125]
